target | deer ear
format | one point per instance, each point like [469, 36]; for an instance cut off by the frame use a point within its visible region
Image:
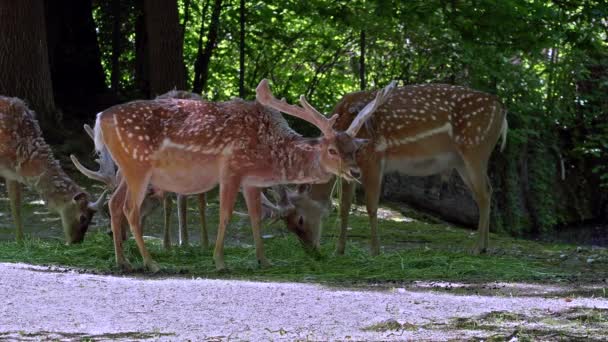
[81, 196]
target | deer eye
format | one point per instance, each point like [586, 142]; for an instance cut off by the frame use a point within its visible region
[332, 151]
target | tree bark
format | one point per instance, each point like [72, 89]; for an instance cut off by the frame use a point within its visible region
[74, 55]
[242, 52]
[165, 46]
[203, 59]
[24, 63]
[362, 61]
[142, 63]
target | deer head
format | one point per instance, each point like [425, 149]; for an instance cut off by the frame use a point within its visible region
[302, 215]
[76, 216]
[337, 148]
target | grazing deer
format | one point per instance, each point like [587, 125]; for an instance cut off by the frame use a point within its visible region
[25, 158]
[189, 147]
[420, 130]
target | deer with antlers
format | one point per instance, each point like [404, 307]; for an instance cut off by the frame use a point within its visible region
[420, 130]
[189, 147]
[108, 175]
[25, 158]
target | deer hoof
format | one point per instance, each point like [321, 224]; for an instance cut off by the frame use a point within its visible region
[480, 250]
[152, 266]
[125, 266]
[220, 266]
[264, 263]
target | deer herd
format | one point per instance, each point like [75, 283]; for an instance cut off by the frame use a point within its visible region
[180, 143]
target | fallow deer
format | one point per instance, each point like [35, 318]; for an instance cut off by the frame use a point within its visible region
[420, 130]
[189, 147]
[25, 158]
[108, 175]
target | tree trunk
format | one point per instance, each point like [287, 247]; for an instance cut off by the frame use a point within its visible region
[142, 63]
[242, 52]
[24, 63]
[203, 59]
[362, 61]
[165, 46]
[74, 55]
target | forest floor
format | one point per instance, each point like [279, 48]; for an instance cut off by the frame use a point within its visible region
[55, 303]
[424, 285]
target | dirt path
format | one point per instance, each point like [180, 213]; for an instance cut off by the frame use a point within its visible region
[38, 303]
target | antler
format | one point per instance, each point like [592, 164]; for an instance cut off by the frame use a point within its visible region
[106, 173]
[96, 206]
[306, 112]
[370, 108]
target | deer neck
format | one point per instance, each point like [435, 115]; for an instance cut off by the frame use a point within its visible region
[53, 185]
[302, 162]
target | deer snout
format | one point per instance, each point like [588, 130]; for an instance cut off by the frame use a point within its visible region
[355, 172]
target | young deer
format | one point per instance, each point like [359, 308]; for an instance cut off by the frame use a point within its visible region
[420, 130]
[25, 158]
[189, 147]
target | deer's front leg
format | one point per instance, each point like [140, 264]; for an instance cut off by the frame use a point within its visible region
[182, 218]
[229, 189]
[167, 207]
[136, 192]
[372, 181]
[348, 192]
[254, 207]
[14, 194]
[202, 206]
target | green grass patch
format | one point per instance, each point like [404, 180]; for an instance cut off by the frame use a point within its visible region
[412, 251]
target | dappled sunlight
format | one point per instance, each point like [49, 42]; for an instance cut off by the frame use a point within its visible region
[384, 213]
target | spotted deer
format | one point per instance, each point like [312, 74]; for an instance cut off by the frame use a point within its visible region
[25, 158]
[189, 147]
[108, 175]
[420, 130]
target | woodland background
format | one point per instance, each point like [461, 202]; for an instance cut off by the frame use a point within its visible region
[547, 60]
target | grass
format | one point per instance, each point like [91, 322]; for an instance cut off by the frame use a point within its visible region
[412, 251]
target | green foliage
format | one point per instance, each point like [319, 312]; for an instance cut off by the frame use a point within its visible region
[547, 61]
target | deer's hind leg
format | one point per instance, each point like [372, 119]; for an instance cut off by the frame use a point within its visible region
[229, 189]
[474, 175]
[202, 206]
[136, 193]
[116, 205]
[254, 206]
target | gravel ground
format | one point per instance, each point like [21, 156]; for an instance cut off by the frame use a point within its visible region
[38, 303]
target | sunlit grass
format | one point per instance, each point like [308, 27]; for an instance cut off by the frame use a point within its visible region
[411, 251]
